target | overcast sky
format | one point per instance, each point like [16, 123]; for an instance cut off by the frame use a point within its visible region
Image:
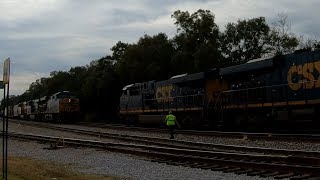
[41, 36]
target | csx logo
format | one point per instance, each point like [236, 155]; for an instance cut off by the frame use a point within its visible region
[164, 93]
[304, 76]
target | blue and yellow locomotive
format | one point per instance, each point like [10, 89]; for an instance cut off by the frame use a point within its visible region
[280, 91]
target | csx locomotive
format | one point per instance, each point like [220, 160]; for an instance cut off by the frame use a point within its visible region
[281, 91]
[60, 107]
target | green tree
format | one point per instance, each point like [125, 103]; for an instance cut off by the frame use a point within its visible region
[197, 41]
[282, 40]
[245, 40]
[118, 51]
[148, 59]
[101, 88]
[308, 44]
[77, 76]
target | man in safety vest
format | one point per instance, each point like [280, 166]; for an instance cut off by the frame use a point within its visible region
[171, 123]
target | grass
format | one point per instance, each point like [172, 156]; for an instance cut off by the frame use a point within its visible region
[26, 168]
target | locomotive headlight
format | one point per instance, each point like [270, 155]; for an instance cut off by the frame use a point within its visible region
[69, 100]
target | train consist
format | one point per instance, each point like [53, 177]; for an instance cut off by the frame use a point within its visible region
[276, 92]
[60, 107]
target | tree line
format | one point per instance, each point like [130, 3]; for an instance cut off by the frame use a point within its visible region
[198, 45]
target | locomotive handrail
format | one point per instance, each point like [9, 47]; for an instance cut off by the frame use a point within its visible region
[277, 85]
[218, 98]
[244, 96]
[176, 97]
[176, 102]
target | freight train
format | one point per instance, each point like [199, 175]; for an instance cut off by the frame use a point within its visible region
[276, 92]
[60, 107]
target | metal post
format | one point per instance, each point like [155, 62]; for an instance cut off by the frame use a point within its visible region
[6, 76]
[4, 135]
[7, 119]
[3, 131]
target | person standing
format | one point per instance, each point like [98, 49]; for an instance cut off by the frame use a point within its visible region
[171, 123]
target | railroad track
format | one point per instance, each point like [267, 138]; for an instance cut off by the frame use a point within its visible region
[241, 163]
[178, 143]
[238, 159]
[239, 135]
[313, 138]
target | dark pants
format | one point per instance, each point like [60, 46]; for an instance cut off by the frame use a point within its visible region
[171, 128]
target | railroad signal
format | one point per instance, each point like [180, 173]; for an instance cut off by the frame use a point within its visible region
[6, 71]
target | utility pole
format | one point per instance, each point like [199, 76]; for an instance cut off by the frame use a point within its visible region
[5, 83]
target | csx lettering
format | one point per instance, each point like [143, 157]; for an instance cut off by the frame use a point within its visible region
[163, 94]
[307, 72]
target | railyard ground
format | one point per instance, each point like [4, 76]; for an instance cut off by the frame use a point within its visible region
[35, 161]
[28, 168]
[88, 163]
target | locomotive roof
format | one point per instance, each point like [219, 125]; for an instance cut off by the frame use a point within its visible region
[44, 98]
[127, 86]
[21, 103]
[253, 64]
[180, 75]
[31, 101]
[183, 78]
[64, 92]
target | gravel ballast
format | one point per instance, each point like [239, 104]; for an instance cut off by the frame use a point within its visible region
[290, 145]
[91, 161]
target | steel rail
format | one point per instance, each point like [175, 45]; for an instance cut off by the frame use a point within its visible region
[182, 144]
[202, 159]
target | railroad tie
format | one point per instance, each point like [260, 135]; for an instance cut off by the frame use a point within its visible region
[234, 169]
[268, 174]
[281, 176]
[256, 172]
[221, 168]
[304, 176]
[198, 165]
[203, 166]
[210, 167]
[244, 171]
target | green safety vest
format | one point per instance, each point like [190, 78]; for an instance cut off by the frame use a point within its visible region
[171, 120]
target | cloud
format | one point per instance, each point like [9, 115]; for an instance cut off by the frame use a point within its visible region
[19, 82]
[12, 10]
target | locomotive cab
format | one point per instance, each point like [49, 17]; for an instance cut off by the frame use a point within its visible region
[31, 109]
[63, 106]
[135, 99]
[136, 96]
[16, 111]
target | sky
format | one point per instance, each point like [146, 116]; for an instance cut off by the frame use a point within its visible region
[41, 36]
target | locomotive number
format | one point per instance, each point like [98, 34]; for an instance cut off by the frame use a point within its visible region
[303, 76]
